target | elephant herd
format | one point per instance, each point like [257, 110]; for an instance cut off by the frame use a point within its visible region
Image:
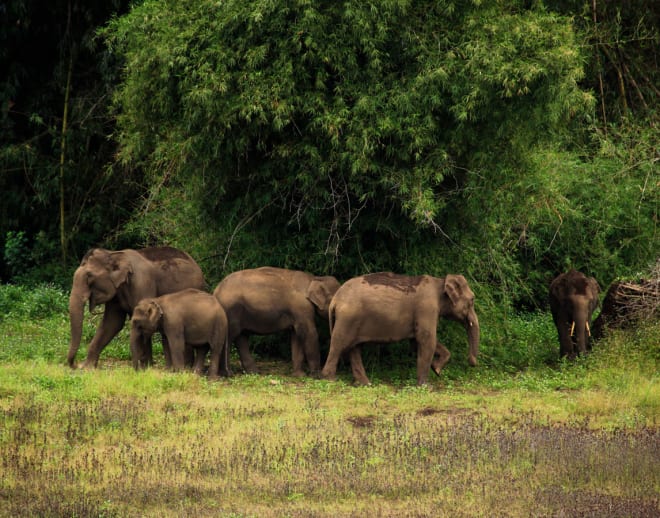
[162, 290]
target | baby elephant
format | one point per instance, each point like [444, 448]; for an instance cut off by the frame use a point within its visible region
[185, 319]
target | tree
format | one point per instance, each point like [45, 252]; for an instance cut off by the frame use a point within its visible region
[334, 129]
[54, 127]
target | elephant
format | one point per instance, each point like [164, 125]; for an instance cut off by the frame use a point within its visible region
[268, 300]
[385, 307]
[120, 279]
[188, 318]
[573, 299]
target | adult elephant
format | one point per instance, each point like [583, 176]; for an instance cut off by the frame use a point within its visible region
[120, 279]
[386, 307]
[268, 300]
[573, 299]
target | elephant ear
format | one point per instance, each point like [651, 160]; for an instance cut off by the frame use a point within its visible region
[155, 312]
[454, 288]
[319, 295]
[121, 269]
[594, 288]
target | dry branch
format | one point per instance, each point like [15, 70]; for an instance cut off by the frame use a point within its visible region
[630, 302]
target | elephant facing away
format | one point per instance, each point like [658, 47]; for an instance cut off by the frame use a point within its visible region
[185, 319]
[267, 300]
[573, 299]
[120, 279]
[386, 307]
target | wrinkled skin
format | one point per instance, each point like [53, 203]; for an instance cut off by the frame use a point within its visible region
[185, 319]
[119, 280]
[268, 300]
[573, 299]
[386, 307]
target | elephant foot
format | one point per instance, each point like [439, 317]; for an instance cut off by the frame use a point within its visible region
[362, 383]
[328, 376]
[298, 373]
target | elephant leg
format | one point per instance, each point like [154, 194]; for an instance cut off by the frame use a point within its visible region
[189, 356]
[147, 358]
[297, 354]
[440, 358]
[177, 350]
[112, 322]
[166, 351]
[329, 371]
[216, 348]
[200, 353]
[357, 367]
[305, 345]
[247, 362]
[312, 353]
[339, 343]
[426, 347]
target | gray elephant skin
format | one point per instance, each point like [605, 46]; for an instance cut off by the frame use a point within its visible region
[573, 299]
[267, 300]
[386, 307]
[186, 319]
[119, 280]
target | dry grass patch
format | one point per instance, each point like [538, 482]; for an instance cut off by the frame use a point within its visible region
[273, 450]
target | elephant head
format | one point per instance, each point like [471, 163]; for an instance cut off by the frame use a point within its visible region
[146, 316]
[100, 274]
[145, 321]
[457, 303]
[320, 292]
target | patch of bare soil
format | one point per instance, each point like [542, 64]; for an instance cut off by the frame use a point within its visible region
[365, 421]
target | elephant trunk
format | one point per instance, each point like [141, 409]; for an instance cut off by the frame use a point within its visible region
[137, 347]
[472, 327]
[80, 294]
[580, 329]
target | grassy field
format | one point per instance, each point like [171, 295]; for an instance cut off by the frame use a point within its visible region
[528, 437]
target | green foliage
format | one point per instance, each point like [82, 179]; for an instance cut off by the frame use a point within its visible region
[323, 136]
[15, 249]
[33, 303]
[504, 140]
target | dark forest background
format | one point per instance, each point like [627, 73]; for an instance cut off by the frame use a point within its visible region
[507, 141]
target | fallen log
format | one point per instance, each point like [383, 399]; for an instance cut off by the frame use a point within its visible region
[629, 302]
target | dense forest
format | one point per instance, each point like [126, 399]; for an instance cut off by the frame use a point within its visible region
[507, 141]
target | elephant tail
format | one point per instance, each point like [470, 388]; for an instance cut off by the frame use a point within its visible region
[224, 361]
[332, 315]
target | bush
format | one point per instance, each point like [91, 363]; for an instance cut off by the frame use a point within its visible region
[40, 302]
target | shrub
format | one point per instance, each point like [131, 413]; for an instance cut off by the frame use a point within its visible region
[40, 302]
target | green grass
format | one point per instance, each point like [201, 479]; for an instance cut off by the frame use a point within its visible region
[520, 435]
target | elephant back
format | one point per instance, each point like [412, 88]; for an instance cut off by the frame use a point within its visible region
[163, 253]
